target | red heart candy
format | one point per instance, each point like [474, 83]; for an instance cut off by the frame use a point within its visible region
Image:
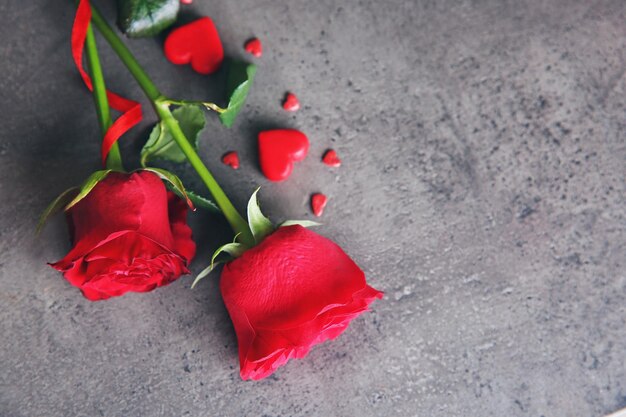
[254, 47]
[279, 149]
[291, 102]
[318, 202]
[197, 43]
[331, 158]
[231, 159]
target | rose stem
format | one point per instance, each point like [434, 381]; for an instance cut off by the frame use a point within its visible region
[161, 107]
[114, 159]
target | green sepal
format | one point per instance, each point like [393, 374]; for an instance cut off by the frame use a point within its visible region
[234, 249]
[174, 181]
[206, 271]
[202, 202]
[141, 18]
[161, 143]
[240, 78]
[303, 223]
[88, 185]
[260, 226]
[57, 205]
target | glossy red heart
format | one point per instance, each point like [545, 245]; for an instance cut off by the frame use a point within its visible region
[254, 47]
[231, 159]
[279, 149]
[331, 158]
[197, 43]
[291, 102]
[318, 203]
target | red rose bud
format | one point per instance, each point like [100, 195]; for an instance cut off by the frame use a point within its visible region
[129, 234]
[292, 291]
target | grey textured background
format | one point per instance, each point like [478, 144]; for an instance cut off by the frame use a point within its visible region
[482, 189]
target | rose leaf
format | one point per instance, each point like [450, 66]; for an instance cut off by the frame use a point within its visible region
[140, 18]
[240, 78]
[161, 144]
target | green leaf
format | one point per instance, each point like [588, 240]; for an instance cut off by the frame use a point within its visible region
[240, 78]
[259, 224]
[174, 181]
[140, 18]
[57, 205]
[233, 249]
[303, 223]
[88, 185]
[161, 143]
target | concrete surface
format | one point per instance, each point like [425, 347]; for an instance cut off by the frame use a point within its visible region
[482, 189]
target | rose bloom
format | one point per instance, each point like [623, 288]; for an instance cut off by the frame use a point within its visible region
[129, 234]
[292, 291]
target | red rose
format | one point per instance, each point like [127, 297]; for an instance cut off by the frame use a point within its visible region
[129, 234]
[292, 291]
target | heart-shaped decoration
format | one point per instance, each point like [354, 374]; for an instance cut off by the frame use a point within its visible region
[331, 158]
[231, 159]
[318, 203]
[291, 102]
[197, 43]
[279, 149]
[254, 47]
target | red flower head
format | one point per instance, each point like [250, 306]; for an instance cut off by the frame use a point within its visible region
[129, 234]
[292, 291]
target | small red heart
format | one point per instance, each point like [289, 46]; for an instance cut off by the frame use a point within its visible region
[291, 102]
[331, 158]
[279, 149]
[197, 43]
[231, 159]
[318, 202]
[254, 47]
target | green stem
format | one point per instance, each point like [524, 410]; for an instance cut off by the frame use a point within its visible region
[114, 159]
[125, 55]
[161, 106]
[238, 224]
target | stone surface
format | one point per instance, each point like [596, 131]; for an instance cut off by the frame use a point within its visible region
[482, 188]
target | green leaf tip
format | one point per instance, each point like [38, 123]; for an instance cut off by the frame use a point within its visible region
[240, 78]
[141, 18]
[161, 143]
